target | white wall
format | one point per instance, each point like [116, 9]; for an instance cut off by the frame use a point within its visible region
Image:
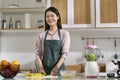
[18, 45]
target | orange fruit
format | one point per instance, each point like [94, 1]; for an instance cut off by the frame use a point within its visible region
[14, 65]
[15, 62]
[1, 68]
[4, 63]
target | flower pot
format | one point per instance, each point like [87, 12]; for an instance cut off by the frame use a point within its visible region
[91, 69]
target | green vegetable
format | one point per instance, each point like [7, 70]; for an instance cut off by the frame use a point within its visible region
[91, 57]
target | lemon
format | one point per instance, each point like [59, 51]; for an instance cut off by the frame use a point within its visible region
[29, 74]
[14, 65]
[34, 74]
[38, 74]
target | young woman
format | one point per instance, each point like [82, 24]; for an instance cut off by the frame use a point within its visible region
[52, 45]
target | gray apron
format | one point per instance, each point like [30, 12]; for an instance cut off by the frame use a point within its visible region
[52, 54]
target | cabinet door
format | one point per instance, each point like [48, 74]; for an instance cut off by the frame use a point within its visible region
[61, 5]
[107, 13]
[82, 12]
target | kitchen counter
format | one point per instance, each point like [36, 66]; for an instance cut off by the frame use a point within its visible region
[79, 76]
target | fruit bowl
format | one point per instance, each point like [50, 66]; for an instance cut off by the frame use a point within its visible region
[9, 70]
[8, 73]
[67, 73]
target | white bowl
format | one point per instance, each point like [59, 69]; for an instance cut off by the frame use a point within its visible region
[67, 73]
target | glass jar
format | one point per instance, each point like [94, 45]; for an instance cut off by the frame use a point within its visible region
[39, 24]
[17, 24]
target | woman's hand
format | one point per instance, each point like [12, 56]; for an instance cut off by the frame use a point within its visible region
[54, 71]
[39, 63]
[42, 70]
[56, 68]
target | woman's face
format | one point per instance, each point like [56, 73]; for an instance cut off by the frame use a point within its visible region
[51, 18]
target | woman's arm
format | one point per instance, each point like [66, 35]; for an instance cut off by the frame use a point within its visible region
[39, 62]
[39, 54]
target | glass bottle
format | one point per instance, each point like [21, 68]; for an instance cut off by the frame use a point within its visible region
[4, 24]
[10, 23]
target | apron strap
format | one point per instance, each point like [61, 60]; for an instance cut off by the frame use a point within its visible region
[59, 34]
[46, 35]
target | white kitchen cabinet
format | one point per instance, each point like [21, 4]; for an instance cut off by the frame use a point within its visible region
[75, 13]
[88, 13]
[18, 13]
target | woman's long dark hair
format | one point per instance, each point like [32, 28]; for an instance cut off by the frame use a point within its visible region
[54, 10]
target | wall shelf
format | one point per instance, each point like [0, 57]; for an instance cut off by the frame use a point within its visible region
[22, 10]
[22, 30]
